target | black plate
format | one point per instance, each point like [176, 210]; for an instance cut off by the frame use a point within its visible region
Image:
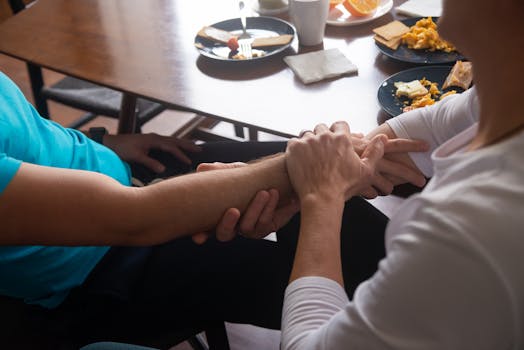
[392, 104]
[256, 26]
[419, 56]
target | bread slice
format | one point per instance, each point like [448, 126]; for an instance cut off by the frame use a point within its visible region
[272, 41]
[215, 34]
[461, 75]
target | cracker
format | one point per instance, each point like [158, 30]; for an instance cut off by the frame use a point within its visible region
[391, 30]
[272, 41]
[393, 44]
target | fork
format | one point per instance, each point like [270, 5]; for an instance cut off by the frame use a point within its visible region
[245, 34]
[244, 40]
[245, 48]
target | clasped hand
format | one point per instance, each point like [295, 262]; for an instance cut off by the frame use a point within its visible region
[373, 165]
[323, 163]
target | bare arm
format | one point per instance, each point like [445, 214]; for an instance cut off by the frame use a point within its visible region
[322, 186]
[324, 170]
[44, 205]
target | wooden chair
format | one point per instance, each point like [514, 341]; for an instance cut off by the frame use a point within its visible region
[94, 99]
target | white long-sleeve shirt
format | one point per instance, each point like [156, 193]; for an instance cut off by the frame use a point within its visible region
[453, 276]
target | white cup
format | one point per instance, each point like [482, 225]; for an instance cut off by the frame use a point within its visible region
[309, 18]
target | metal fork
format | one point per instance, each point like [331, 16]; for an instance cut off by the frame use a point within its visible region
[245, 34]
[244, 40]
[245, 48]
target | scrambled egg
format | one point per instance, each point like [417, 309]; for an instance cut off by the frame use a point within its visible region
[433, 95]
[424, 35]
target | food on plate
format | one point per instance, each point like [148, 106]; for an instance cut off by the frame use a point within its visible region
[223, 36]
[361, 8]
[272, 40]
[390, 34]
[238, 55]
[232, 43]
[410, 89]
[446, 94]
[334, 3]
[461, 75]
[420, 93]
[215, 34]
[424, 36]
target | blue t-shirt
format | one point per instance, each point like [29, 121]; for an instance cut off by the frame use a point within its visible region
[41, 274]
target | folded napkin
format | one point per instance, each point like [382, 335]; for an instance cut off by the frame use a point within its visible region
[421, 8]
[315, 66]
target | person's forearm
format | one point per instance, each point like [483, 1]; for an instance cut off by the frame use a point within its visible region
[195, 203]
[318, 249]
[51, 206]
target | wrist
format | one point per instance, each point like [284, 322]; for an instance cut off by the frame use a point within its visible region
[275, 171]
[317, 201]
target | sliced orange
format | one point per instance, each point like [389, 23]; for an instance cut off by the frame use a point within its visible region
[334, 3]
[361, 8]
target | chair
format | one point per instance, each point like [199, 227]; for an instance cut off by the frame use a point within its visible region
[94, 99]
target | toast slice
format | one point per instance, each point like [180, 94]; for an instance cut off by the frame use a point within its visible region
[461, 75]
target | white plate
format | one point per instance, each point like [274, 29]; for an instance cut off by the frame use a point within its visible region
[339, 16]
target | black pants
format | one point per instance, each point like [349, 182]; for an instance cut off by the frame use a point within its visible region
[146, 292]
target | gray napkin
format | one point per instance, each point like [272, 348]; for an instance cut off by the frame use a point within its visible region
[315, 66]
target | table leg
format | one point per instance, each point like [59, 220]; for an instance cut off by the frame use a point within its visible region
[253, 134]
[127, 117]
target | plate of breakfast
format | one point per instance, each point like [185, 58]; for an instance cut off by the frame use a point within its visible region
[339, 15]
[423, 86]
[220, 41]
[415, 40]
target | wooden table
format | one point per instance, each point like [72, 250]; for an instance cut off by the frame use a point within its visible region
[145, 48]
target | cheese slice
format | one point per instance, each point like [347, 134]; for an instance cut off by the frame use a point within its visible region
[410, 89]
